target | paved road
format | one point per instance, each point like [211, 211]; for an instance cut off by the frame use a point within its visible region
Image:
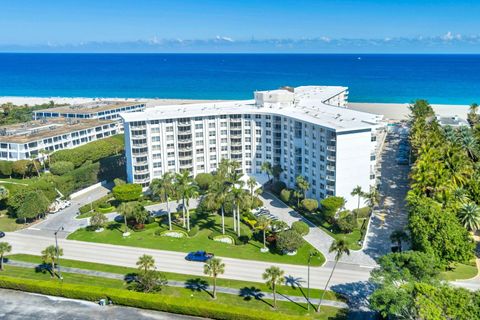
[17, 305]
[172, 261]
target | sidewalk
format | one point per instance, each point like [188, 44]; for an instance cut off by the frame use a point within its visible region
[244, 292]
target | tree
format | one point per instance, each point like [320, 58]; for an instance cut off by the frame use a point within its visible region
[276, 171]
[139, 213]
[251, 183]
[98, 220]
[49, 255]
[372, 198]
[398, 236]
[4, 193]
[145, 263]
[309, 204]
[33, 163]
[302, 185]
[60, 168]
[33, 203]
[267, 168]
[238, 196]
[127, 192]
[217, 196]
[472, 115]
[5, 248]
[286, 195]
[213, 268]
[186, 189]
[20, 168]
[263, 223]
[274, 276]
[357, 191]
[330, 207]
[469, 215]
[289, 241]
[340, 247]
[163, 188]
[125, 209]
[301, 228]
[346, 222]
[204, 180]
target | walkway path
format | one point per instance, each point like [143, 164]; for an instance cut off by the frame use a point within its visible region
[194, 286]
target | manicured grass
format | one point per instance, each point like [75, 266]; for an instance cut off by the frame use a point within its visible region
[9, 224]
[207, 224]
[237, 284]
[247, 301]
[460, 271]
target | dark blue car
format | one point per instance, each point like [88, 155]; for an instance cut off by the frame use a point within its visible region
[200, 256]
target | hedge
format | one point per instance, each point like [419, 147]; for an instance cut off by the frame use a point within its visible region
[191, 306]
[95, 204]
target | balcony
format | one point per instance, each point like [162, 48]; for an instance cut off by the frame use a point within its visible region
[138, 127]
[331, 168]
[236, 143]
[185, 157]
[139, 135]
[331, 148]
[140, 163]
[184, 132]
[184, 123]
[139, 145]
[331, 158]
[330, 188]
[185, 140]
[330, 178]
[236, 151]
[140, 171]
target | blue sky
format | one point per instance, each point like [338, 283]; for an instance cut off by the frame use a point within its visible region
[256, 26]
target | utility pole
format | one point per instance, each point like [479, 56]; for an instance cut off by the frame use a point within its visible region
[57, 251]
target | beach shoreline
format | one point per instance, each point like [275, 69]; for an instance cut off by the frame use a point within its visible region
[391, 111]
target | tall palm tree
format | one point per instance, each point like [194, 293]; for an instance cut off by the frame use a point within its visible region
[33, 158]
[263, 223]
[125, 209]
[49, 255]
[267, 168]
[251, 183]
[163, 188]
[182, 184]
[357, 191]
[217, 195]
[146, 263]
[238, 196]
[340, 247]
[303, 185]
[469, 215]
[274, 276]
[213, 268]
[5, 248]
[190, 192]
[398, 236]
[372, 198]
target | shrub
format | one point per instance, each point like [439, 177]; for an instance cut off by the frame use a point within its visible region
[243, 239]
[98, 220]
[193, 231]
[61, 167]
[257, 203]
[167, 303]
[346, 222]
[289, 241]
[278, 186]
[203, 180]
[330, 207]
[363, 212]
[309, 204]
[20, 167]
[6, 168]
[95, 204]
[301, 228]
[127, 192]
[286, 195]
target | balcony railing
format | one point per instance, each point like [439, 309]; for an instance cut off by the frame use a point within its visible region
[331, 168]
[331, 158]
[331, 148]
[330, 188]
[330, 178]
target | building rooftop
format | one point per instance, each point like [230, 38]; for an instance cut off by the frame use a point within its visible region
[454, 121]
[45, 128]
[304, 103]
[92, 107]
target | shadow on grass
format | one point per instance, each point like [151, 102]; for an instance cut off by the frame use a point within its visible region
[249, 293]
[198, 285]
[45, 268]
[115, 226]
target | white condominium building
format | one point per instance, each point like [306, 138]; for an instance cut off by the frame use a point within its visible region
[24, 140]
[306, 130]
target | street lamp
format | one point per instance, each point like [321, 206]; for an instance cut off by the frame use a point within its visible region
[310, 255]
[57, 251]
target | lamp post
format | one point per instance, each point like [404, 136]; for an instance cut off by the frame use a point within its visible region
[311, 254]
[57, 251]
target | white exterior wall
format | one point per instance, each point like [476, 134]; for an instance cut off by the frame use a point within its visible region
[353, 165]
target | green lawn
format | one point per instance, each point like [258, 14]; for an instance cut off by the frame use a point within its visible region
[237, 284]
[207, 224]
[183, 293]
[9, 224]
[461, 271]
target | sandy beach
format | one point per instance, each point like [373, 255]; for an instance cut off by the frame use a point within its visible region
[392, 111]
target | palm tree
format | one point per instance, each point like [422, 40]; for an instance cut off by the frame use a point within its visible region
[182, 183]
[237, 195]
[276, 171]
[357, 191]
[146, 263]
[190, 192]
[274, 277]
[125, 209]
[49, 255]
[251, 183]
[263, 223]
[340, 247]
[372, 198]
[33, 158]
[213, 268]
[163, 188]
[303, 185]
[398, 236]
[217, 194]
[5, 248]
[267, 168]
[469, 215]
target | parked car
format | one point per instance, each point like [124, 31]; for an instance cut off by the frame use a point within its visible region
[2, 234]
[200, 256]
[402, 161]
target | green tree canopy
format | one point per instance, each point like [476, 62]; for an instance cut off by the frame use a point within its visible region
[127, 192]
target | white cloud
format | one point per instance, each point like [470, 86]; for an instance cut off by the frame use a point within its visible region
[221, 38]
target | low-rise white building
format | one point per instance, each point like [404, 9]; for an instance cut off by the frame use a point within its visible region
[24, 140]
[307, 131]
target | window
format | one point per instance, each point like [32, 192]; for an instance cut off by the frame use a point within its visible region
[199, 126]
[211, 125]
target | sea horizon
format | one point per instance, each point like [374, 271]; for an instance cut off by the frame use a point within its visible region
[373, 78]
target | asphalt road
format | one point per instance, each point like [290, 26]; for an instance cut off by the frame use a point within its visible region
[17, 305]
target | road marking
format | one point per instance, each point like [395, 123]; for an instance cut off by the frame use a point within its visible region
[32, 228]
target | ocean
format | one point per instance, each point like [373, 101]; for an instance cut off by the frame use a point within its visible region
[443, 79]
